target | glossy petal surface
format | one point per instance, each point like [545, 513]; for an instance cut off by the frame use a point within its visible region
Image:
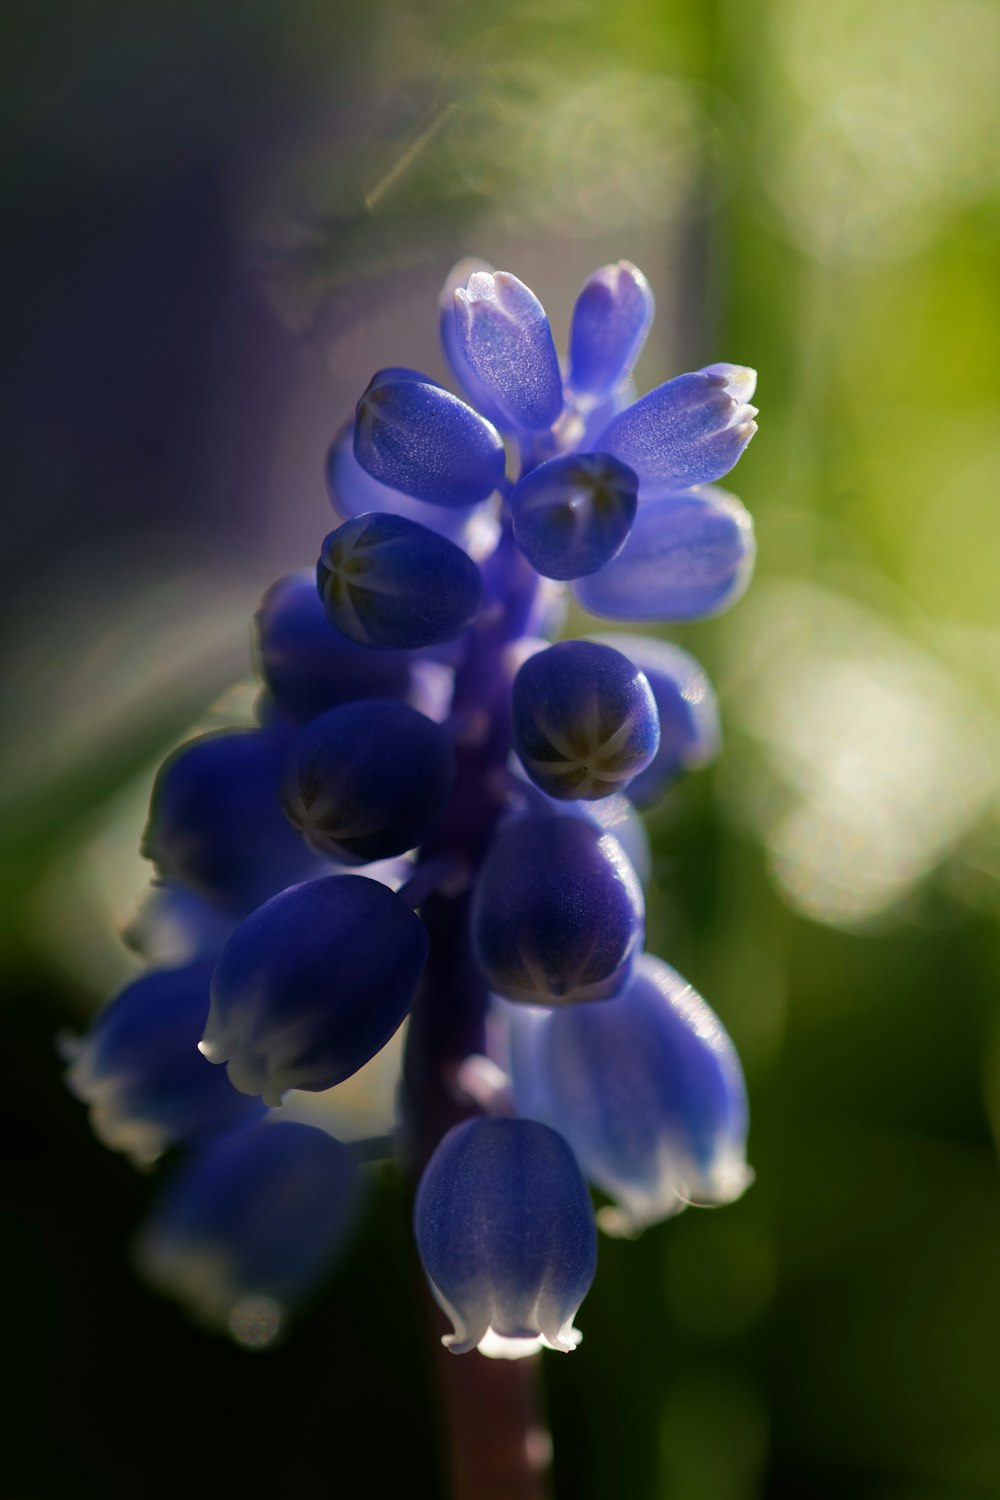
[558, 913]
[414, 436]
[689, 431]
[312, 985]
[612, 316]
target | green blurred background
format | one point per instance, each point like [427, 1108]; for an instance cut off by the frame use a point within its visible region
[217, 221]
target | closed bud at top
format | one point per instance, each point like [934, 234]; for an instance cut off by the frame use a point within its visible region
[307, 664]
[249, 1226]
[585, 720]
[451, 342]
[648, 1090]
[689, 431]
[505, 1230]
[612, 316]
[687, 709]
[391, 584]
[573, 514]
[558, 913]
[141, 1074]
[506, 340]
[215, 823]
[312, 985]
[688, 556]
[411, 434]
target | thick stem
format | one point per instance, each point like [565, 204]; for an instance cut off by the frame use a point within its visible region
[498, 1446]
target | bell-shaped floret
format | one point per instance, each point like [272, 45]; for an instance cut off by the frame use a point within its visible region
[612, 316]
[558, 913]
[689, 556]
[251, 1224]
[215, 823]
[307, 665]
[506, 341]
[413, 435]
[139, 1071]
[391, 584]
[687, 709]
[505, 1230]
[585, 720]
[368, 780]
[689, 431]
[312, 985]
[573, 514]
[648, 1090]
[353, 492]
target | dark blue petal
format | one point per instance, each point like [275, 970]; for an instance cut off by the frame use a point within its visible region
[689, 431]
[506, 341]
[612, 316]
[414, 436]
[257, 1216]
[585, 720]
[308, 665]
[648, 1090]
[215, 823]
[687, 709]
[505, 1230]
[367, 781]
[689, 555]
[558, 912]
[312, 985]
[390, 584]
[573, 514]
[139, 1069]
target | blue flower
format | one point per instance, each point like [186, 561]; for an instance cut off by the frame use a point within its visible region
[411, 714]
[648, 1090]
[505, 1230]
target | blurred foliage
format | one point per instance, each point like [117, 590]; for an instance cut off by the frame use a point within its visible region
[817, 190]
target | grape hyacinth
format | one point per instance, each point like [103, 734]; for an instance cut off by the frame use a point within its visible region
[543, 1046]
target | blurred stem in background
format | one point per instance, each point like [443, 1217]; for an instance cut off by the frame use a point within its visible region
[819, 185]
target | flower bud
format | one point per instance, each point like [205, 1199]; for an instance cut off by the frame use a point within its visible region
[585, 720]
[307, 664]
[413, 435]
[251, 1224]
[689, 556]
[215, 823]
[353, 492]
[689, 431]
[612, 316]
[390, 584]
[312, 985]
[451, 342]
[648, 1090]
[368, 780]
[573, 514]
[506, 340]
[558, 912]
[687, 709]
[140, 1072]
[505, 1230]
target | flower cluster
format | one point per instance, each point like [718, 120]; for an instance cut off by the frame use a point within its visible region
[435, 818]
